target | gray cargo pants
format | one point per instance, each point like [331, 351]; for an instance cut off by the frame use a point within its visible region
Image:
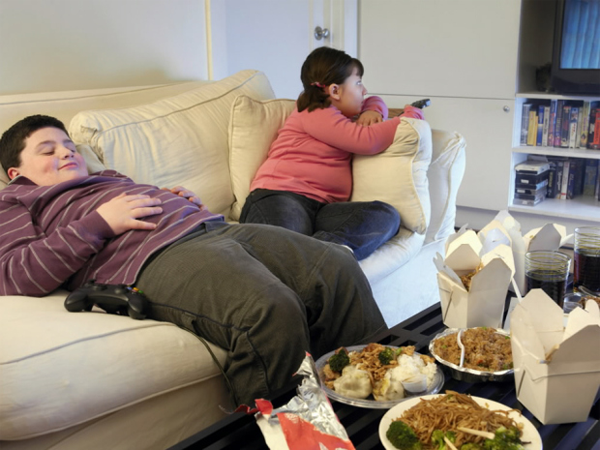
[266, 295]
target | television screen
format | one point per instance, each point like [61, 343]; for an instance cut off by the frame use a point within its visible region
[581, 35]
[576, 55]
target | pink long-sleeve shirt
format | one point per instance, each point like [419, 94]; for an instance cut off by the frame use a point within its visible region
[312, 155]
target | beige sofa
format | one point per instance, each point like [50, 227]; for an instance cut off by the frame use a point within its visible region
[92, 380]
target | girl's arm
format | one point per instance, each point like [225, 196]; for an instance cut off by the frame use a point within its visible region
[330, 126]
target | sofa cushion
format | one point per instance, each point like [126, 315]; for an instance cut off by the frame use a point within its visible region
[398, 175]
[252, 128]
[445, 175]
[63, 369]
[180, 140]
[3, 178]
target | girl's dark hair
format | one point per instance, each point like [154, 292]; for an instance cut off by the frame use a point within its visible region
[12, 142]
[324, 66]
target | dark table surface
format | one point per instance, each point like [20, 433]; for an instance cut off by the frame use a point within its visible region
[240, 431]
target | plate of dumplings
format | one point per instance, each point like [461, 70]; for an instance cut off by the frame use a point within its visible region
[378, 376]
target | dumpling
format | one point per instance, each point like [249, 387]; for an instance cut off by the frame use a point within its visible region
[390, 386]
[354, 383]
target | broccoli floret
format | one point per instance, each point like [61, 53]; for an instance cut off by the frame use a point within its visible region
[437, 438]
[511, 434]
[387, 355]
[471, 446]
[339, 360]
[504, 439]
[402, 436]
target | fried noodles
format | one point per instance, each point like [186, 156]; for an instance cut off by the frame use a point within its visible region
[485, 349]
[447, 412]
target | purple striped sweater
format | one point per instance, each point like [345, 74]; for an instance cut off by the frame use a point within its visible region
[50, 235]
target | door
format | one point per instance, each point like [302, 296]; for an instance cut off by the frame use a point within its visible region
[275, 36]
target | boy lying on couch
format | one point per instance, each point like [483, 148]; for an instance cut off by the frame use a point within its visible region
[265, 294]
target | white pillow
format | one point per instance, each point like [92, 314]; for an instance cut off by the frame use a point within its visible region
[445, 175]
[252, 128]
[180, 140]
[398, 175]
[3, 179]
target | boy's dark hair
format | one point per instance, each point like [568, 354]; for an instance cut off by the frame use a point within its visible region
[324, 66]
[12, 142]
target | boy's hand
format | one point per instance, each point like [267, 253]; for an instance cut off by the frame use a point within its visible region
[122, 212]
[185, 193]
[369, 118]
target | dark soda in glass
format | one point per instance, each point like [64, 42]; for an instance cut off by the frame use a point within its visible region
[586, 271]
[552, 283]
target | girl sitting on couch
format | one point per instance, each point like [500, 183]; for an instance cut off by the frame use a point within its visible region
[306, 181]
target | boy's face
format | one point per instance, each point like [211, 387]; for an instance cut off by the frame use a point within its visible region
[49, 157]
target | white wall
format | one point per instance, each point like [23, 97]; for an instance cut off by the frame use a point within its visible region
[82, 44]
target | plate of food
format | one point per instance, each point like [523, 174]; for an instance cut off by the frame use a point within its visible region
[377, 376]
[457, 417]
[487, 357]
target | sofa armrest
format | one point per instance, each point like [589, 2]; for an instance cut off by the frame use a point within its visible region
[398, 175]
[445, 175]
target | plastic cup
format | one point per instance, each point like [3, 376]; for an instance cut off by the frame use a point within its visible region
[586, 270]
[547, 270]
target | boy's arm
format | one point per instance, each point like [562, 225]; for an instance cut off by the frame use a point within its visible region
[32, 263]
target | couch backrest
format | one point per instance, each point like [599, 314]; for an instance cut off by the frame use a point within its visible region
[179, 139]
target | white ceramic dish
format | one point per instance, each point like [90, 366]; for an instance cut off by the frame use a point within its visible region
[434, 388]
[530, 433]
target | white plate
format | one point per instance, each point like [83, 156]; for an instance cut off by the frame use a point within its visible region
[434, 388]
[530, 433]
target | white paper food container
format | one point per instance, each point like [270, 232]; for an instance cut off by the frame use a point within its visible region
[483, 304]
[550, 237]
[557, 369]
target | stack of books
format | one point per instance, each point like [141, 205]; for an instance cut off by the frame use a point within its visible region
[561, 123]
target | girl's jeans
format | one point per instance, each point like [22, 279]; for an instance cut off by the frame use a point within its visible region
[264, 294]
[362, 226]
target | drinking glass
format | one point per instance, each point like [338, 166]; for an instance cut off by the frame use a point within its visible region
[549, 271]
[586, 270]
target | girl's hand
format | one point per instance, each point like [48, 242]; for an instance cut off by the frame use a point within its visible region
[185, 193]
[122, 212]
[369, 118]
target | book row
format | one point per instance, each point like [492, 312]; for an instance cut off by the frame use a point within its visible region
[561, 123]
[556, 177]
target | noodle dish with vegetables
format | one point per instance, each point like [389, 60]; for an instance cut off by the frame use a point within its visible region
[455, 420]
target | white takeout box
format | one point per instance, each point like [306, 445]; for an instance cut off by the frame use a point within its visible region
[557, 368]
[483, 304]
[550, 237]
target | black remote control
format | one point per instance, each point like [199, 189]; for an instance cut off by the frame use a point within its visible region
[114, 299]
[421, 103]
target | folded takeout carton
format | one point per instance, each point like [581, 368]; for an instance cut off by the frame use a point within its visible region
[557, 367]
[483, 303]
[550, 237]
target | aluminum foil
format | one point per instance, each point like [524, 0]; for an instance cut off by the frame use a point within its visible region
[311, 404]
[470, 375]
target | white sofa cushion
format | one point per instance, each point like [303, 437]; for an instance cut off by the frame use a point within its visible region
[252, 128]
[398, 176]
[86, 365]
[445, 174]
[3, 178]
[158, 143]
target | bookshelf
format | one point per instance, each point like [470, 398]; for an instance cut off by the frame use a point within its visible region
[579, 208]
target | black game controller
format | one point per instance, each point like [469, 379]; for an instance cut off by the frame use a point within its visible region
[114, 299]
